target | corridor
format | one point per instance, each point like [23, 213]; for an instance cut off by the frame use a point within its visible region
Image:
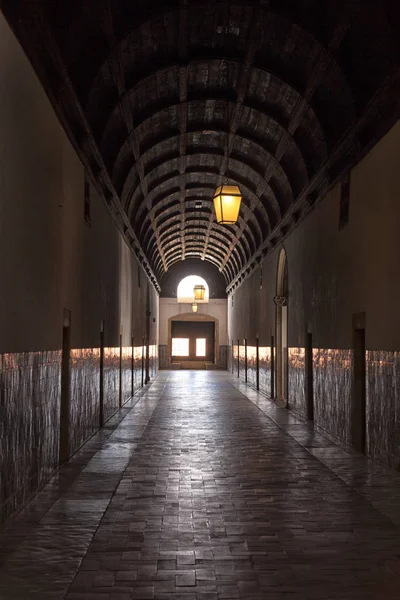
[202, 489]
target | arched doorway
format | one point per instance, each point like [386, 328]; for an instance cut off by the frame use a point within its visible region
[281, 373]
[199, 319]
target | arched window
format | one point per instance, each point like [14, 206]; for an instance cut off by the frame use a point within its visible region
[185, 289]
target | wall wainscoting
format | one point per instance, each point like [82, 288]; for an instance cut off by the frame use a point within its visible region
[296, 380]
[30, 389]
[30, 400]
[332, 376]
[265, 354]
[252, 366]
[332, 392]
[111, 381]
[84, 365]
[250, 359]
[383, 406]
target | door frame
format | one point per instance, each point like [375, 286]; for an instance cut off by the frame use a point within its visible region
[200, 318]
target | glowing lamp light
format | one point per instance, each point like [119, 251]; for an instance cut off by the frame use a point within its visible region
[199, 292]
[194, 307]
[227, 200]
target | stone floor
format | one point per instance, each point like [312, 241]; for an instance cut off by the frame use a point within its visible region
[202, 490]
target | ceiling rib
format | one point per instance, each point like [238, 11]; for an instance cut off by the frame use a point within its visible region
[265, 94]
[347, 145]
[255, 31]
[183, 111]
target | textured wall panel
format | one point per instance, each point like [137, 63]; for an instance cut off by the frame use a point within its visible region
[242, 371]
[296, 375]
[224, 352]
[163, 356]
[139, 368]
[252, 366]
[111, 381]
[153, 361]
[126, 373]
[383, 406]
[84, 405]
[235, 359]
[265, 371]
[264, 367]
[30, 389]
[332, 373]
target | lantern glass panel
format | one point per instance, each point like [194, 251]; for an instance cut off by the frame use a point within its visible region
[199, 292]
[227, 201]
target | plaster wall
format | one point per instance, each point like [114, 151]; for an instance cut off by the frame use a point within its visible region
[52, 259]
[215, 310]
[334, 274]
[169, 307]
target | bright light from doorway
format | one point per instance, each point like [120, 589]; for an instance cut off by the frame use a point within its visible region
[180, 347]
[185, 291]
[200, 347]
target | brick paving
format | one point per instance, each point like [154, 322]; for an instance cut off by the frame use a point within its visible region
[202, 493]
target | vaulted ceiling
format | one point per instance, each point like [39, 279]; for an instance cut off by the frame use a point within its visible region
[166, 99]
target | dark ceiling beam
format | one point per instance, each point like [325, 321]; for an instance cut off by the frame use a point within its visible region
[210, 128]
[203, 94]
[216, 241]
[195, 229]
[208, 259]
[237, 258]
[116, 66]
[219, 95]
[240, 228]
[39, 44]
[213, 251]
[139, 76]
[256, 144]
[235, 228]
[256, 29]
[223, 234]
[325, 60]
[249, 197]
[183, 109]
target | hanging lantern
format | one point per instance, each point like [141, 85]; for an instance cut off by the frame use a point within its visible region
[194, 307]
[227, 200]
[199, 292]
